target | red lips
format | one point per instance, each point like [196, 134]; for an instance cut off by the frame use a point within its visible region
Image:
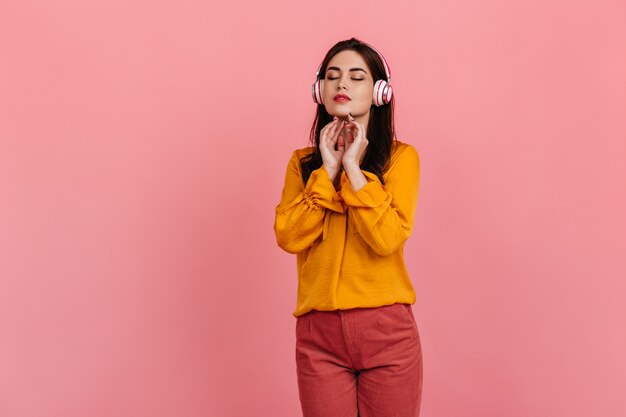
[341, 97]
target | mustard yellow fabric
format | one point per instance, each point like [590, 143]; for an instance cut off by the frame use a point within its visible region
[349, 245]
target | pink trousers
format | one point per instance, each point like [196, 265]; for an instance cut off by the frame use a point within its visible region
[364, 362]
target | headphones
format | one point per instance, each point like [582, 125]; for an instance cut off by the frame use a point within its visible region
[382, 88]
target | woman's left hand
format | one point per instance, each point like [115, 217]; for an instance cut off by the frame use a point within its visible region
[355, 144]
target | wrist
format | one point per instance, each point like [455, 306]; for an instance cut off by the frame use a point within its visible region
[355, 176]
[351, 166]
[332, 172]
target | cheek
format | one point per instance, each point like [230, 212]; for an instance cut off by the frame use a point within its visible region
[364, 93]
[364, 98]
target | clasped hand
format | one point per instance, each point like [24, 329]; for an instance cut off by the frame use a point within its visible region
[349, 136]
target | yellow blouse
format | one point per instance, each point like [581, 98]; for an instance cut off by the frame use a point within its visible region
[349, 245]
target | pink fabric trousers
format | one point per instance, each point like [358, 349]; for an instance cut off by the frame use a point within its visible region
[364, 362]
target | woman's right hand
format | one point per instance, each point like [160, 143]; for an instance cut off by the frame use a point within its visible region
[329, 136]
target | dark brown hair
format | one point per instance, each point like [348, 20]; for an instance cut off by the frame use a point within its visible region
[380, 127]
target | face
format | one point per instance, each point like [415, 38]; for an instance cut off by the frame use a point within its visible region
[348, 74]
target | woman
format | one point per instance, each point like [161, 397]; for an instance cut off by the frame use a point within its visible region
[346, 210]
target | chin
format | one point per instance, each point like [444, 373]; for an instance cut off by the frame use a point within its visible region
[342, 111]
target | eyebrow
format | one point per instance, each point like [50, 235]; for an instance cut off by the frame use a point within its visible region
[351, 69]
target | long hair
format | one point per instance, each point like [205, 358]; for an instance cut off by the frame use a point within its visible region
[380, 127]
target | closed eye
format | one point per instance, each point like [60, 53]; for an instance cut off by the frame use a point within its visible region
[355, 79]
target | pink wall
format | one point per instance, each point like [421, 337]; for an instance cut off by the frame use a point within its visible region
[142, 152]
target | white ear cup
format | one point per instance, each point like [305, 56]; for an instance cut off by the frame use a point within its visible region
[382, 93]
[318, 88]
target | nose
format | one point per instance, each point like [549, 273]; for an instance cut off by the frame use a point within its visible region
[342, 83]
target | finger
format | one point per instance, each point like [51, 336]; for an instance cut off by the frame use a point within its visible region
[337, 132]
[330, 133]
[340, 143]
[355, 131]
[324, 133]
[341, 124]
[360, 132]
[349, 135]
[353, 123]
[363, 133]
[353, 126]
[329, 127]
[333, 133]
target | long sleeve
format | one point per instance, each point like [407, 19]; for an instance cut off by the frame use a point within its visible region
[301, 215]
[383, 214]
